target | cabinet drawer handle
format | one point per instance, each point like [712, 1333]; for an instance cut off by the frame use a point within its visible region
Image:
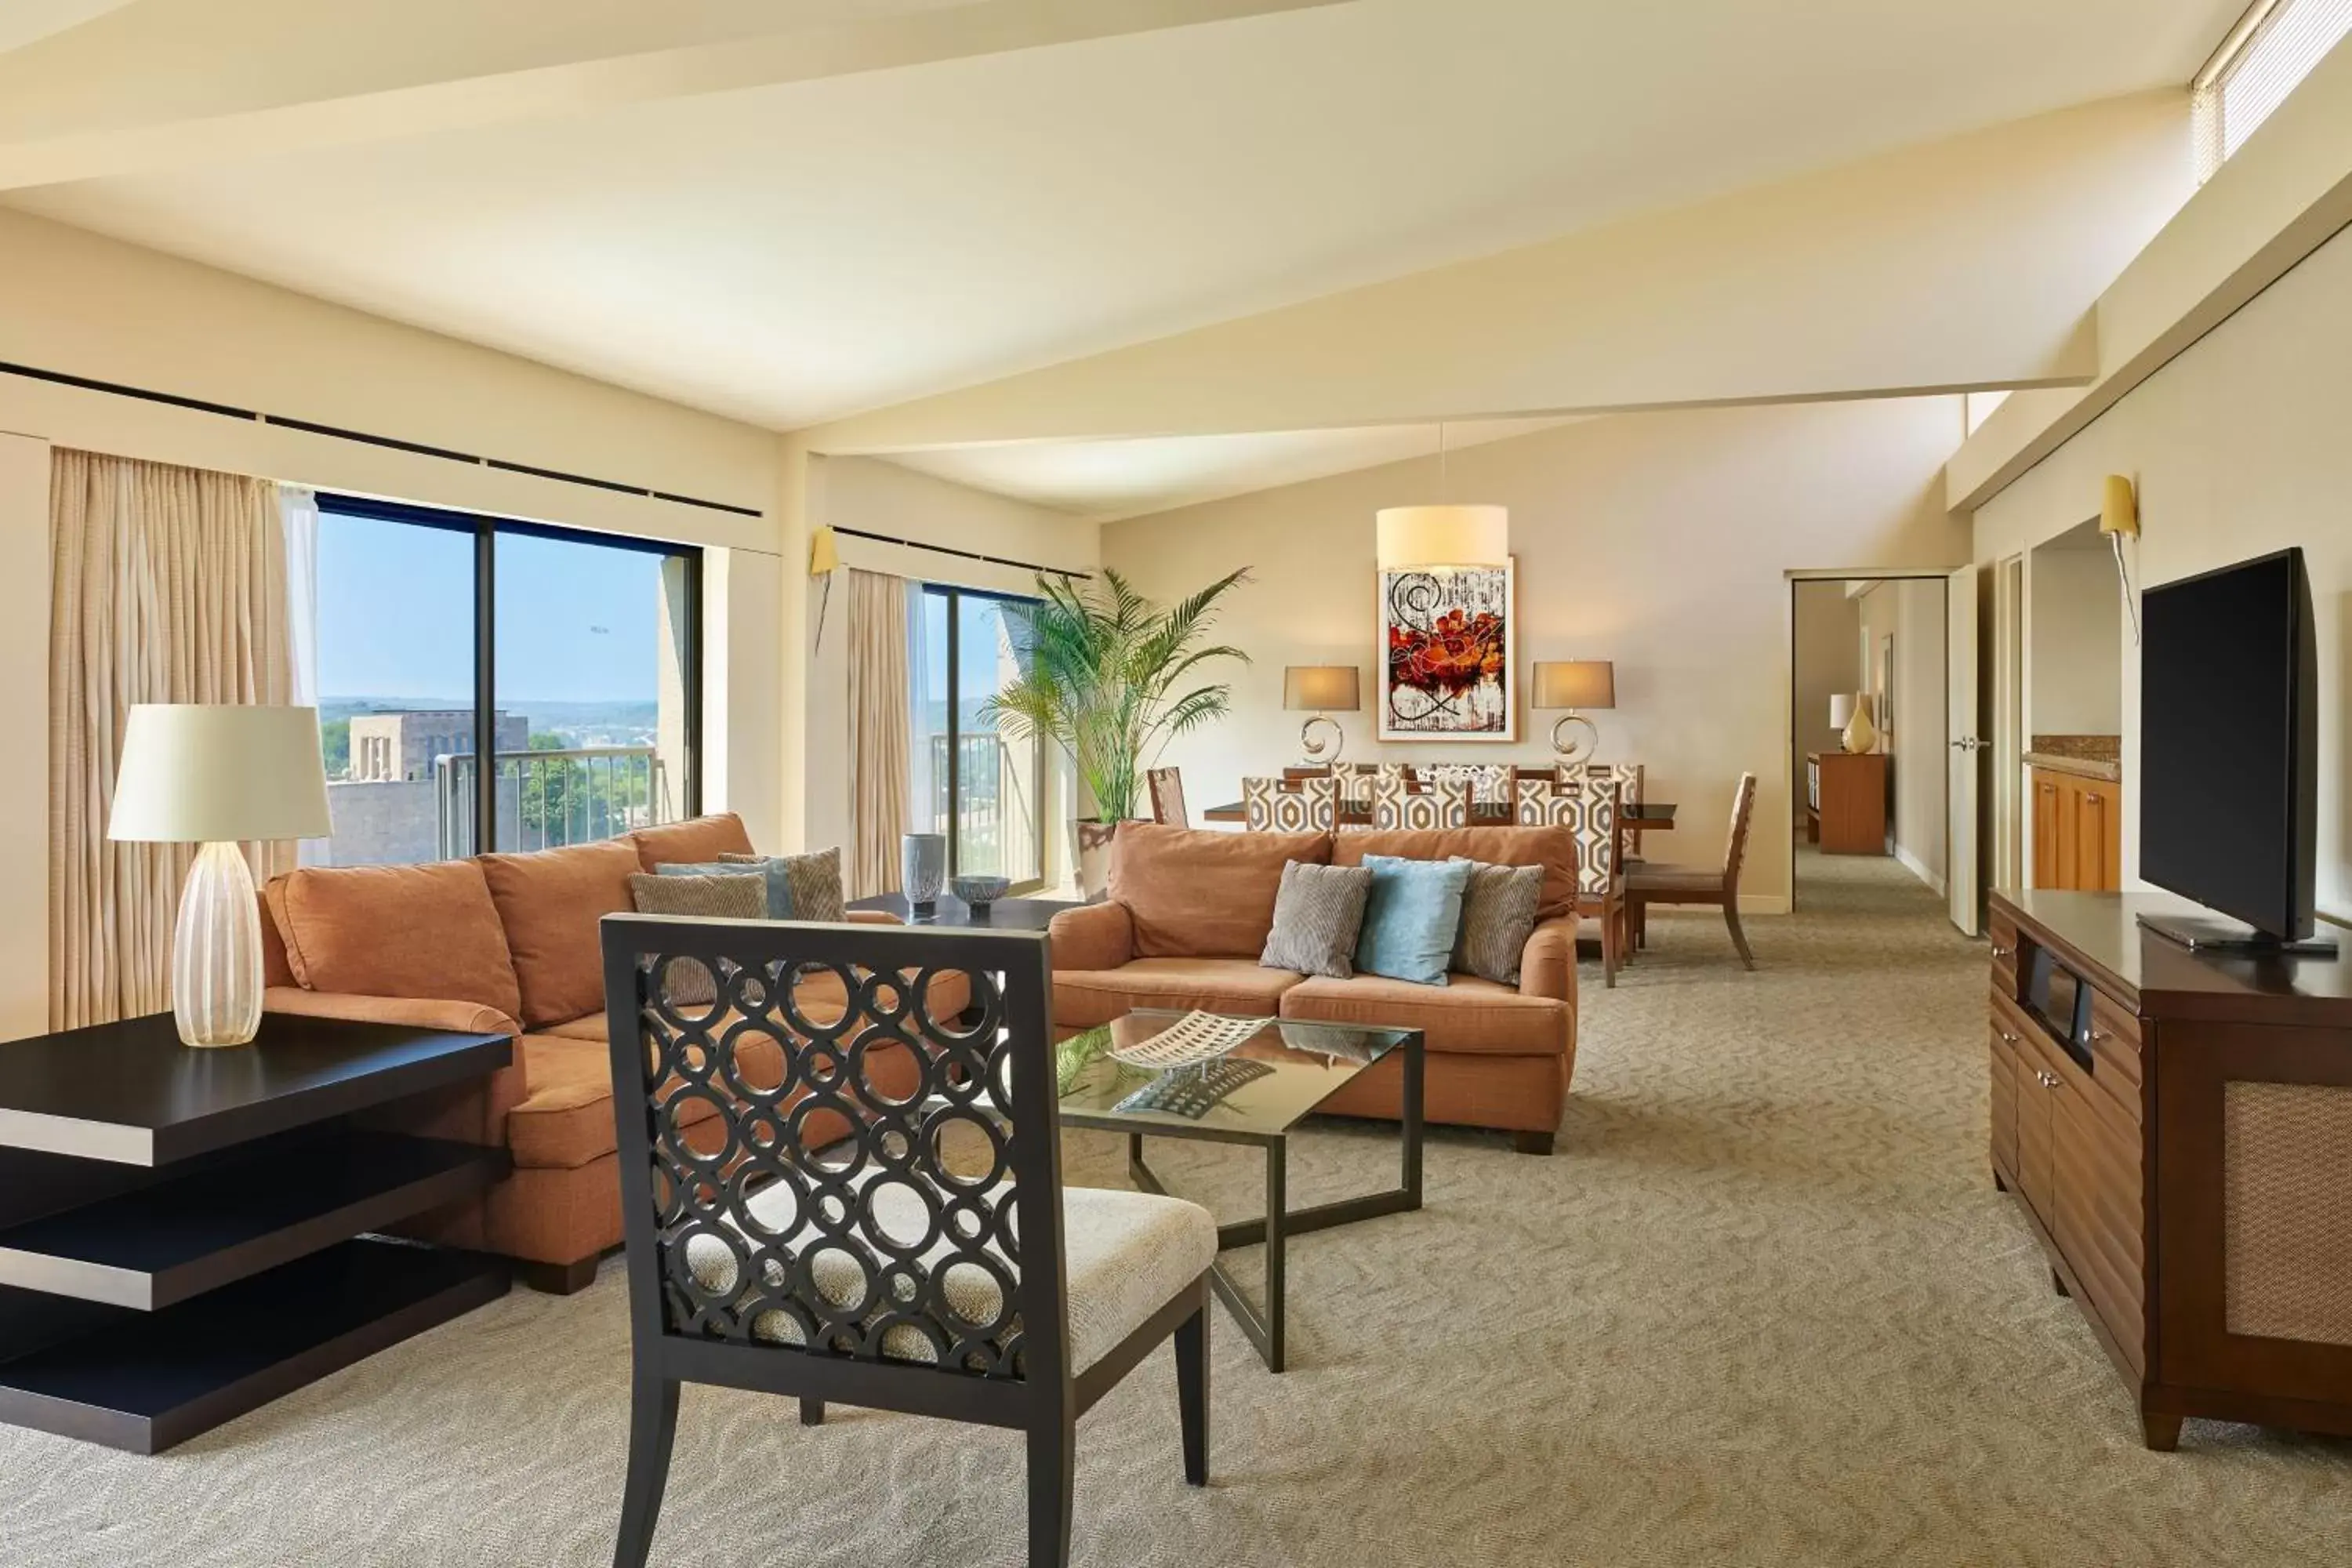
[2049, 1079]
[2001, 952]
[2007, 1037]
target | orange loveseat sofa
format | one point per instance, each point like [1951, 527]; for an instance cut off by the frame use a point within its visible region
[1187, 914]
[508, 944]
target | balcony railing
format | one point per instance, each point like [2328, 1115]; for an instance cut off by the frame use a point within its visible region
[996, 817]
[548, 799]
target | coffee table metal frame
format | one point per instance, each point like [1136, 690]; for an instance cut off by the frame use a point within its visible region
[1265, 1327]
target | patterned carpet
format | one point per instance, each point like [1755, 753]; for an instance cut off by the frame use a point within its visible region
[1763, 1307]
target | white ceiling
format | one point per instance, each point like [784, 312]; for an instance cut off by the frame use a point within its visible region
[1109, 479]
[24, 22]
[788, 254]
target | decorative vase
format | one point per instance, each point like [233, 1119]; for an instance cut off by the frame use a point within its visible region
[1860, 735]
[922, 868]
[1093, 836]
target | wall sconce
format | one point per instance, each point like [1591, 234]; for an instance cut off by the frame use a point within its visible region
[2119, 517]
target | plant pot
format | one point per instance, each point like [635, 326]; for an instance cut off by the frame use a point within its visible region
[1092, 835]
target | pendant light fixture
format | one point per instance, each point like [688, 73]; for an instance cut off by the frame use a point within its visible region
[1452, 535]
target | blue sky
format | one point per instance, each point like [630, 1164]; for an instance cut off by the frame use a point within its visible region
[577, 623]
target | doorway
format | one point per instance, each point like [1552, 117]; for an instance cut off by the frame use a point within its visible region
[1871, 765]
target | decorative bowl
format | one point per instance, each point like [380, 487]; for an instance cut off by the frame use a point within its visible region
[979, 891]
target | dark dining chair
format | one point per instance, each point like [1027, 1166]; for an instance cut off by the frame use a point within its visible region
[1649, 883]
[927, 1260]
[1167, 786]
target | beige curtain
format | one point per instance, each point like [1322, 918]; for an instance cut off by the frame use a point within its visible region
[880, 768]
[168, 584]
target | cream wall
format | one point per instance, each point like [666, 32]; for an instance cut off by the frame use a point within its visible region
[1656, 541]
[878, 497]
[25, 720]
[2238, 448]
[2074, 666]
[1828, 629]
[1912, 611]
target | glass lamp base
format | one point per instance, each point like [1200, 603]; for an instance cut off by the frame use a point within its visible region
[216, 951]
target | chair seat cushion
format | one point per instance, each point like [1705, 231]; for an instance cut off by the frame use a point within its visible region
[1651, 877]
[1469, 1014]
[1085, 997]
[1125, 1256]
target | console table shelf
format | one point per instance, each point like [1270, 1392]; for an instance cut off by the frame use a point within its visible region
[187, 1233]
[156, 1244]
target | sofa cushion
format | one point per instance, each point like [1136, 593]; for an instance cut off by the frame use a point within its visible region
[1085, 997]
[813, 889]
[700, 838]
[1317, 916]
[1553, 849]
[396, 930]
[1470, 1015]
[1498, 913]
[730, 896]
[550, 901]
[1203, 895]
[1410, 918]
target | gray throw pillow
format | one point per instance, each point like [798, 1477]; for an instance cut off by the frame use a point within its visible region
[772, 872]
[814, 880]
[1317, 913]
[1498, 911]
[732, 896]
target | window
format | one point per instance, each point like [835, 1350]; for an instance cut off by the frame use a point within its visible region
[574, 656]
[2264, 59]
[978, 787]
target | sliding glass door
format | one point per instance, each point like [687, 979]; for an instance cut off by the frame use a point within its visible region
[980, 788]
[562, 667]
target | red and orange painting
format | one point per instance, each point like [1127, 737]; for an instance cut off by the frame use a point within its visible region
[1450, 648]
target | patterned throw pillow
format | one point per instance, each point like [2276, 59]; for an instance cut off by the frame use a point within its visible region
[1498, 911]
[780, 885]
[1318, 915]
[1410, 918]
[733, 896]
[814, 880]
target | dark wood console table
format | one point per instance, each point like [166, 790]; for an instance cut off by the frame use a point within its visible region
[183, 1233]
[2180, 1144]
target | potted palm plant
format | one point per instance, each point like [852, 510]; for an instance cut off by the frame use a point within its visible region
[1110, 676]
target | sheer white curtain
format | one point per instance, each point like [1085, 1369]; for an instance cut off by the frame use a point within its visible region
[299, 508]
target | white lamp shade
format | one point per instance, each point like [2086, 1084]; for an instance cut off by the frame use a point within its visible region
[1843, 705]
[196, 772]
[1412, 536]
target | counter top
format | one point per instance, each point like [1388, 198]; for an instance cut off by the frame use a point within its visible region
[2085, 767]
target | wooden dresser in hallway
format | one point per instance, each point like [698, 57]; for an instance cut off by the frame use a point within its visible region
[2177, 1129]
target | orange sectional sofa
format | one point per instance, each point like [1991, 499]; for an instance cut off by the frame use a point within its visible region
[508, 944]
[1187, 914]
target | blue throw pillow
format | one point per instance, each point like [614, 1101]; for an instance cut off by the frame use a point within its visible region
[780, 885]
[1410, 918]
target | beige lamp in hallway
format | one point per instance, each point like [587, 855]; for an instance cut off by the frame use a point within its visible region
[1850, 716]
[215, 775]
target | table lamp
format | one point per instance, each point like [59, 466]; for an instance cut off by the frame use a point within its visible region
[1850, 716]
[1321, 689]
[196, 772]
[1574, 684]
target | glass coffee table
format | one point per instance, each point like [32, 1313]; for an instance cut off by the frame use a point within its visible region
[1253, 1093]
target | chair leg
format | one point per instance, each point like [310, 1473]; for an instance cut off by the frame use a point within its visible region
[1192, 1391]
[1638, 910]
[1052, 1453]
[653, 1424]
[1609, 932]
[1739, 937]
[812, 1412]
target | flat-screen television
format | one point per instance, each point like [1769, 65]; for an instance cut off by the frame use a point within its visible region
[2229, 765]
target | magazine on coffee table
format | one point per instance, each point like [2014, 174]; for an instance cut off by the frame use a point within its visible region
[1196, 1037]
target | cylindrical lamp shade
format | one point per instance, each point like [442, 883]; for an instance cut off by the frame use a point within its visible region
[1576, 683]
[1411, 536]
[1841, 709]
[201, 773]
[1320, 688]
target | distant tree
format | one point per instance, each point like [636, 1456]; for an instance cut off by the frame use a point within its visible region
[335, 747]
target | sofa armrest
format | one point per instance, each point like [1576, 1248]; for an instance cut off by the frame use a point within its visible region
[874, 918]
[417, 1012]
[1092, 936]
[1548, 963]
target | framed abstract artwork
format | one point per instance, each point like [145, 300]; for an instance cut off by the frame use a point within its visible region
[1449, 645]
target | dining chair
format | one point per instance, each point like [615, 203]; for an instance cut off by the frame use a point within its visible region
[1291, 805]
[1591, 809]
[1628, 777]
[1356, 782]
[931, 1261]
[1397, 805]
[1658, 884]
[1167, 786]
